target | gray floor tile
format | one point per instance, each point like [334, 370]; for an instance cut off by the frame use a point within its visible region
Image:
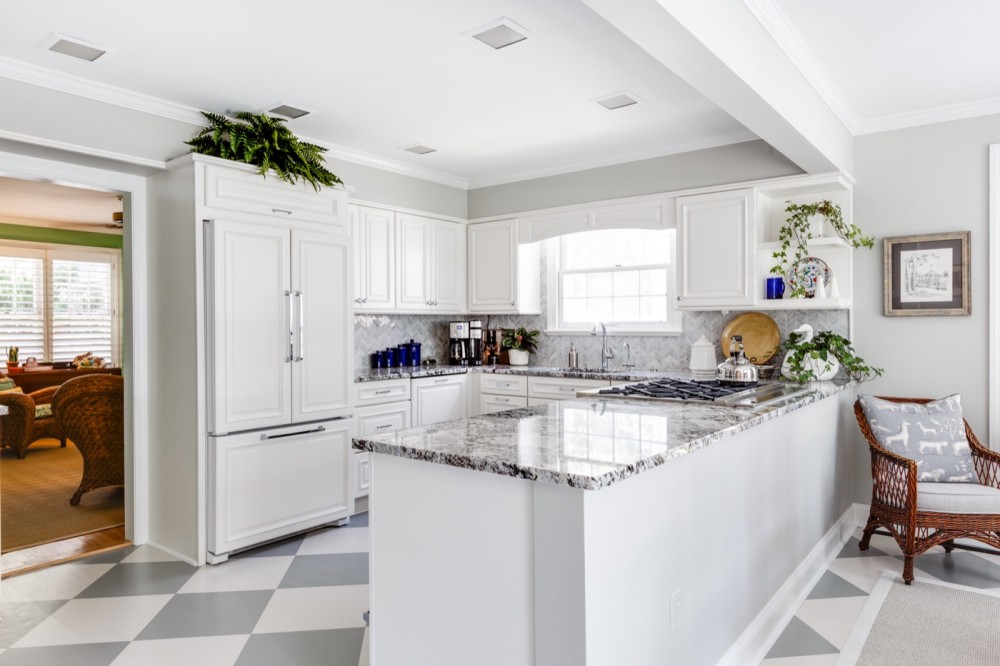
[335, 647]
[358, 520]
[19, 617]
[831, 586]
[208, 614]
[851, 549]
[959, 568]
[799, 640]
[323, 570]
[276, 549]
[140, 578]
[110, 557]
[89, 654]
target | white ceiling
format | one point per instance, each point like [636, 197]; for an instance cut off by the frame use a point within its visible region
[382, 75]
[52, 204]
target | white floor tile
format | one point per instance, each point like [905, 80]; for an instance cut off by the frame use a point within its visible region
[815, 660]
[60, 582]
[215, 650]
[148, 553]
[333, 541]
[864, 571]
[832, 619]
[245, 573]
[102, 620]
[314, 608]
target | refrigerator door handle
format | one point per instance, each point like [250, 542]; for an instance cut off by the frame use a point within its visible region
[302, 321]
[291, 327]
[264, 436]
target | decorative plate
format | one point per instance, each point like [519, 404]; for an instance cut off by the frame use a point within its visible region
[761, 336]
[806, 272]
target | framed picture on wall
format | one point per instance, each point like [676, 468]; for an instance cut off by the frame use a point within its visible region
[927, 274]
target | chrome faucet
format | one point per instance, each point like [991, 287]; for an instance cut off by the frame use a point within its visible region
[606, 351]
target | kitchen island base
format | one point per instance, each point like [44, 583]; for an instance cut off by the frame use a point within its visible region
[472, 567]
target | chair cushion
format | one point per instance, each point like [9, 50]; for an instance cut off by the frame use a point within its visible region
[7, 386]
[43, 411]
[932, 434]
[957, 498]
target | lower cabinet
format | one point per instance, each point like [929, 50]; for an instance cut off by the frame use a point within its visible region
[437, 399]
[499, 403]
[266, 486]
[373, 420]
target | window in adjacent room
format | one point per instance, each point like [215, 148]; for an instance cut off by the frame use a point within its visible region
[622, 277]
[57, 302]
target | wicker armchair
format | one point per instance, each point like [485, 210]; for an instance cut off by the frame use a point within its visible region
[91, 411]
[896, 499]
[25, 423]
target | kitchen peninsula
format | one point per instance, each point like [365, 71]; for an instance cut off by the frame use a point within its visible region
[599, 532]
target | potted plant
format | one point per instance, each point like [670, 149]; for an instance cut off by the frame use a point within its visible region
[820, 356]
[799, 228]
[12, 364]
[519, 343]
[264, 141]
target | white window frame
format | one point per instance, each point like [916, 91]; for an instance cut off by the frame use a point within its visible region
[49, 251]
[554, 321]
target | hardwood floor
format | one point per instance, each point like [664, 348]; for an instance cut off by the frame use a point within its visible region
[38, 557]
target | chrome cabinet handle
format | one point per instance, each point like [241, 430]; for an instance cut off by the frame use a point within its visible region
[302, 322]
[383, 426]
[438, 381]
[265, 436]
[383, 391]
[281, 210]
[291, 328]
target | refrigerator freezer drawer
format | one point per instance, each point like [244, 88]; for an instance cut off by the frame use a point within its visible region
[268, 484]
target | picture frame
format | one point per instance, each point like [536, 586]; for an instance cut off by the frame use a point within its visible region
[926, 274]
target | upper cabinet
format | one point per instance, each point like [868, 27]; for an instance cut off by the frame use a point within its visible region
[374, 258]
[430, 267]
[716, 237]
[504, 276]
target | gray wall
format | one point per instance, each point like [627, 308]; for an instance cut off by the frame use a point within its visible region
[924, 180]
[393, 189]
[735, 163]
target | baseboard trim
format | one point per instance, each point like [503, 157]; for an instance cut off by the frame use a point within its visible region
[755, 642]
[172, 553]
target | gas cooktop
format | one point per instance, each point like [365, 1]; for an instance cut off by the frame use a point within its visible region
[684, 390]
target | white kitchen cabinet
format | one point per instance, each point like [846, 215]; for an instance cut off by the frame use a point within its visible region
[504, 276]
[279, 325]
[264, 486]
[437, 399]
[374, 258]
[382, 391]
[499, 403]
[373, 420]
[716, 250]
[561, 388]
[431, 261]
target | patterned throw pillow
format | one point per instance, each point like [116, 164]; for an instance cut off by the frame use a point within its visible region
[932, 434]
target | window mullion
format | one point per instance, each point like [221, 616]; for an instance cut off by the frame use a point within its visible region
[47, 313]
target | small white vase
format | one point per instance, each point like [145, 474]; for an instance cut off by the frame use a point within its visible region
[518, 356]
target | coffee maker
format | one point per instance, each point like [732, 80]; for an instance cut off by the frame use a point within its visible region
[475, 348]
[458, 343]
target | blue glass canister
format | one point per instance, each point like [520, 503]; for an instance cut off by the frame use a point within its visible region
[414, 353]
[392, 360]
[403, 355]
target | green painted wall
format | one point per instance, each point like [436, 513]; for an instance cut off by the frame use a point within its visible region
[59, 236]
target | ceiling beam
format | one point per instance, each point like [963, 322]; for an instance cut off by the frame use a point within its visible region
[722, 50]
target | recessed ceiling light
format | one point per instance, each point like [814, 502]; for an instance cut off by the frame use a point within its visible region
[500, 33]
[418, 149]
[75, 48]
[287, 111]
[617, 101]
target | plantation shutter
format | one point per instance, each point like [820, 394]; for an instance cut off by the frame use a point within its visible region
[22, 301]
[83, 305]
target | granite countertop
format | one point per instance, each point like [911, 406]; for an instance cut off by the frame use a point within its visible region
[588, 444]
[615, 374]
[409, 373]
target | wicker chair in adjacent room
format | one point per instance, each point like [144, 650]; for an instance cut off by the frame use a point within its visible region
[91, 411]
[28, 420]
[896, 499]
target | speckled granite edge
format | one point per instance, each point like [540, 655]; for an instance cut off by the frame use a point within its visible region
[525, 370]
[409, 373]
[441, 442]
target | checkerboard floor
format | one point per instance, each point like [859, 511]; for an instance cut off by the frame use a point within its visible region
[299, 601]
[820, 627]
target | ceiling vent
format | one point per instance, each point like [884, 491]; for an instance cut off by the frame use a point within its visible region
[500, 33]
[419, 149]
[74, 48]
[287, 111]
[618, 101]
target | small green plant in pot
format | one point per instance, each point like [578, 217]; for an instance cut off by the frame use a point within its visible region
[819, 357]
[798, 230]
[519, 343]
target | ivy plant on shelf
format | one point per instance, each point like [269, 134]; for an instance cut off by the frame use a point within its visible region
[798, 230]
[265, 142]
[818, 357]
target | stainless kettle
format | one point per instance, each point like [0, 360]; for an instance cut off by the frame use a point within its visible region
[736, 369]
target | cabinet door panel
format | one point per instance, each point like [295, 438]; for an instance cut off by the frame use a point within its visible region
[248, 320]
[380, 258]
[324, 329]
[448, 267]
[492, 260]
[437, 399]
[413, 252]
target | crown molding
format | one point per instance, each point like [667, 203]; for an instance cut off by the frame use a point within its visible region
[941, 114]
[368, 159]
[739, 136]
[83, 150]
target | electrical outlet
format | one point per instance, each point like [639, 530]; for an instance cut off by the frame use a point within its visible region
[675, 610]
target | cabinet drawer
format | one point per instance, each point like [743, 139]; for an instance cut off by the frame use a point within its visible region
[503, 384]
[249, 192]
[561, 388]
[383, 418]
[376, 393]
[498, 403]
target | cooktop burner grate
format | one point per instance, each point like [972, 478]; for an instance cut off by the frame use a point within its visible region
[677, 389]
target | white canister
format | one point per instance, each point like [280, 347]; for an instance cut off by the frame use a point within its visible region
[703, 357]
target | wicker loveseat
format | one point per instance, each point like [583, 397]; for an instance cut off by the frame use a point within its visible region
[920, 514]
[28, 420]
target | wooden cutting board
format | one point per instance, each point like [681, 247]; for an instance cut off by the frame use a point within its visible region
[761, 336]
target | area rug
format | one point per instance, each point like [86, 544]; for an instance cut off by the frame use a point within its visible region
[35, 494]
[928, 622]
